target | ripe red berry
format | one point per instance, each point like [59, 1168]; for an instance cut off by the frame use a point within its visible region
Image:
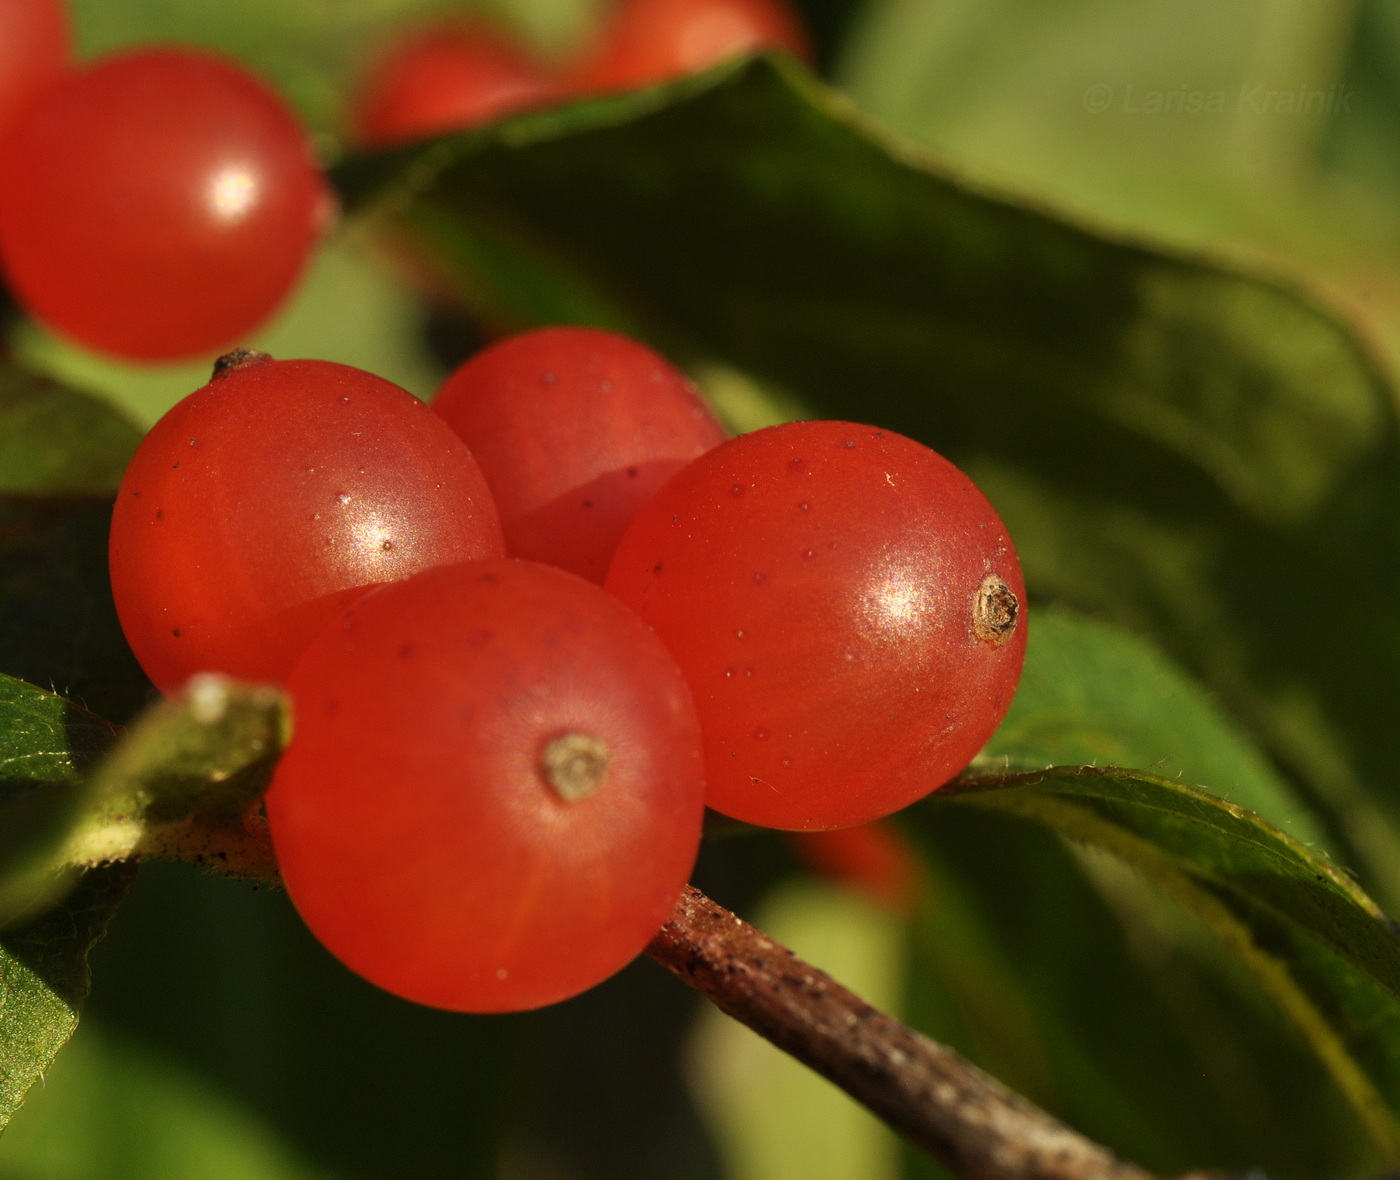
[160, 203]
[444, 78]
[845, 605]
[34, 49]
[263, 502]
[575, 429]
[648, 41]
[492, 798]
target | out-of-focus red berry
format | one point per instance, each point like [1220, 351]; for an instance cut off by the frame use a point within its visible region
[873, 859]
[445, 78]
[647, 41]
[34, 48]
[158, 204]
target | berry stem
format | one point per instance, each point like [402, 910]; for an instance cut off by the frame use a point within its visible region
[238, 847]
[968, 1122]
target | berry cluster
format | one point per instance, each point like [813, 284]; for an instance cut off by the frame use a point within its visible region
[530, 631]
[494, 790]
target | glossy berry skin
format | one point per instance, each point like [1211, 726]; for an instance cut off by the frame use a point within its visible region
[647, 41]
[420, 827]
[264, 502]
[158, 204]
[845, 605]
[35, 43]
[445, 78]
[575, 429]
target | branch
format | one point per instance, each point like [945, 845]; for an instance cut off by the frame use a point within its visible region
[967, 1121]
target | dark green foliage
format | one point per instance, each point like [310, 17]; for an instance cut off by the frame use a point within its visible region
[1201, 468]
[44, 979]
[1195, 453]
[48, 744]
[62, 455]
[1200, 454]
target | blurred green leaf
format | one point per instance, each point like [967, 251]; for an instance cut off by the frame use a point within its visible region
[112, 1109]
[1200, 454]
[62, 455]
[1175, 116]
[225, 983]
[46, 743]
[1094, 693]
[1109, 1006]
[1364, 144]
[1154, 1019]
[775, 1118]
[181, 781]
[54, 441]
[1243, 127]
[58, 627]
[1317, 945]
[44, 980]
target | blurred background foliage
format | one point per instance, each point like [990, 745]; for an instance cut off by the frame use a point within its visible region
[220, 1041]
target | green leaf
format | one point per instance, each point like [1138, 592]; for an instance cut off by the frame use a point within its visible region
[44, 980]
[55, 441]
[1047, 968]
[1316, 944]
[1154, 114]
[1094, 693]
[1195, 452]
[182, 780]
[112, 1109]
[1084, 989]
[62, 455]
[46, 743]
[224, 984]
[1362, 145]
[58, 627]
[181, 783]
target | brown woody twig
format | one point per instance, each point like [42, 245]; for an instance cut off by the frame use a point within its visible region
[965, 1120]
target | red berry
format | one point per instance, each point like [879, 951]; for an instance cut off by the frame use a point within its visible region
[844, 603]
[648, 41]
[873, 859]
[445, 78]
[575, 429]
[493, 795]
[34, 49]
[262, 503]
[158, 204]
